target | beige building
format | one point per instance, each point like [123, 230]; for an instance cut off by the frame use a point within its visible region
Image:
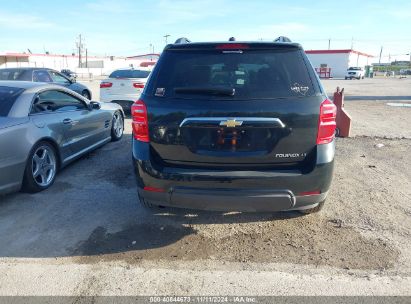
[337, 61]
[92, 65]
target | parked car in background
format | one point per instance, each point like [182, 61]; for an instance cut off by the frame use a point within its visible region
[124, 86]
[405, 72]
[355, 72]
[243, 126]
[44, 75]
[44, 127]
[70, 74]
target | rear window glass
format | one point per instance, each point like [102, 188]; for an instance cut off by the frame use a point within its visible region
[8, 96]
[249, 74]
[129, 74]
[14, 74]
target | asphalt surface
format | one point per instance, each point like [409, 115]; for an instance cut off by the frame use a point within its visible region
[87, 235]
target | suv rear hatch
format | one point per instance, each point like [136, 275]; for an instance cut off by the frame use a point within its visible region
[233, 104]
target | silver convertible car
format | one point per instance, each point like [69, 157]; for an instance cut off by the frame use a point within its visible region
[44, 127]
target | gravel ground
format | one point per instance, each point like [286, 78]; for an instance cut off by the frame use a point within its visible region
[88, 236]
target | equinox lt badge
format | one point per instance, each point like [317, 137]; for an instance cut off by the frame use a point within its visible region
[290, 155]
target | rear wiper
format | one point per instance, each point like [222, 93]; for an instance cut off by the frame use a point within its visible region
[206, 90]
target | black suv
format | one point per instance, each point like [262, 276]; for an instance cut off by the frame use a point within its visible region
[242, 126]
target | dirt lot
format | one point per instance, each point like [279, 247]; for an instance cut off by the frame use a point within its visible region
[88, 235]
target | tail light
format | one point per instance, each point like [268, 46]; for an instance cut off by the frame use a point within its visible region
[138, 85]
[326, 123]
[231, 46]
[105, 84]
[140, 121]
[154, 189]
[306, 193]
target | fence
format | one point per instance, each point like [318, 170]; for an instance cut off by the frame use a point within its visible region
[323, 72]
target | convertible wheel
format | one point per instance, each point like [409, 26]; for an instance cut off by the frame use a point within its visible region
[41, 168]
[117, 126]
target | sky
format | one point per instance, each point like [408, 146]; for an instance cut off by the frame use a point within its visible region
[126, 27]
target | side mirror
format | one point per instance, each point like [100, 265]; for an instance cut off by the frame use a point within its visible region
[94, 105]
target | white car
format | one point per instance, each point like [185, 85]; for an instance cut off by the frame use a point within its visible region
[124, 86]
[355, 72]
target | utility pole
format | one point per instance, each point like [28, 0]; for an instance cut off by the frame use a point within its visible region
[79, 51]
[86, 59]
[379, 60]
[166, 36]
[80, 48]
[329, 43]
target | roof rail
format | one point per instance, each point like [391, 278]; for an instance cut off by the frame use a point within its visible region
[282, 39]
[182, 40]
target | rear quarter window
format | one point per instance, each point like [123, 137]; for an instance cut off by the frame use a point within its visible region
[8, 96]
[253, 74]
[13, 74]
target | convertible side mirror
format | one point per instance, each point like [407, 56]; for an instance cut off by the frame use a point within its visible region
[94, 105]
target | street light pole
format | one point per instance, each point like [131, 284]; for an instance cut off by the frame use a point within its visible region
[166, 36]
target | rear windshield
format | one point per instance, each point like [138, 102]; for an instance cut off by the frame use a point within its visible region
[248, 74]
[8, 96]
[129, 74]
[354, 69]
[15, 74]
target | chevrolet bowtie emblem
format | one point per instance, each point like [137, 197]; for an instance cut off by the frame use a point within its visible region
[231, 123]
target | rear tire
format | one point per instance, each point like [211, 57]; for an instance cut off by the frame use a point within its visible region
[337, 132]
[117, 126]
[41, 168]
[313, 210]
[144, 203]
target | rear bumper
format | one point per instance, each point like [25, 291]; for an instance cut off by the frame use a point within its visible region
[352, 76]
[125, 101]
[254, 191]
[253, 200]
